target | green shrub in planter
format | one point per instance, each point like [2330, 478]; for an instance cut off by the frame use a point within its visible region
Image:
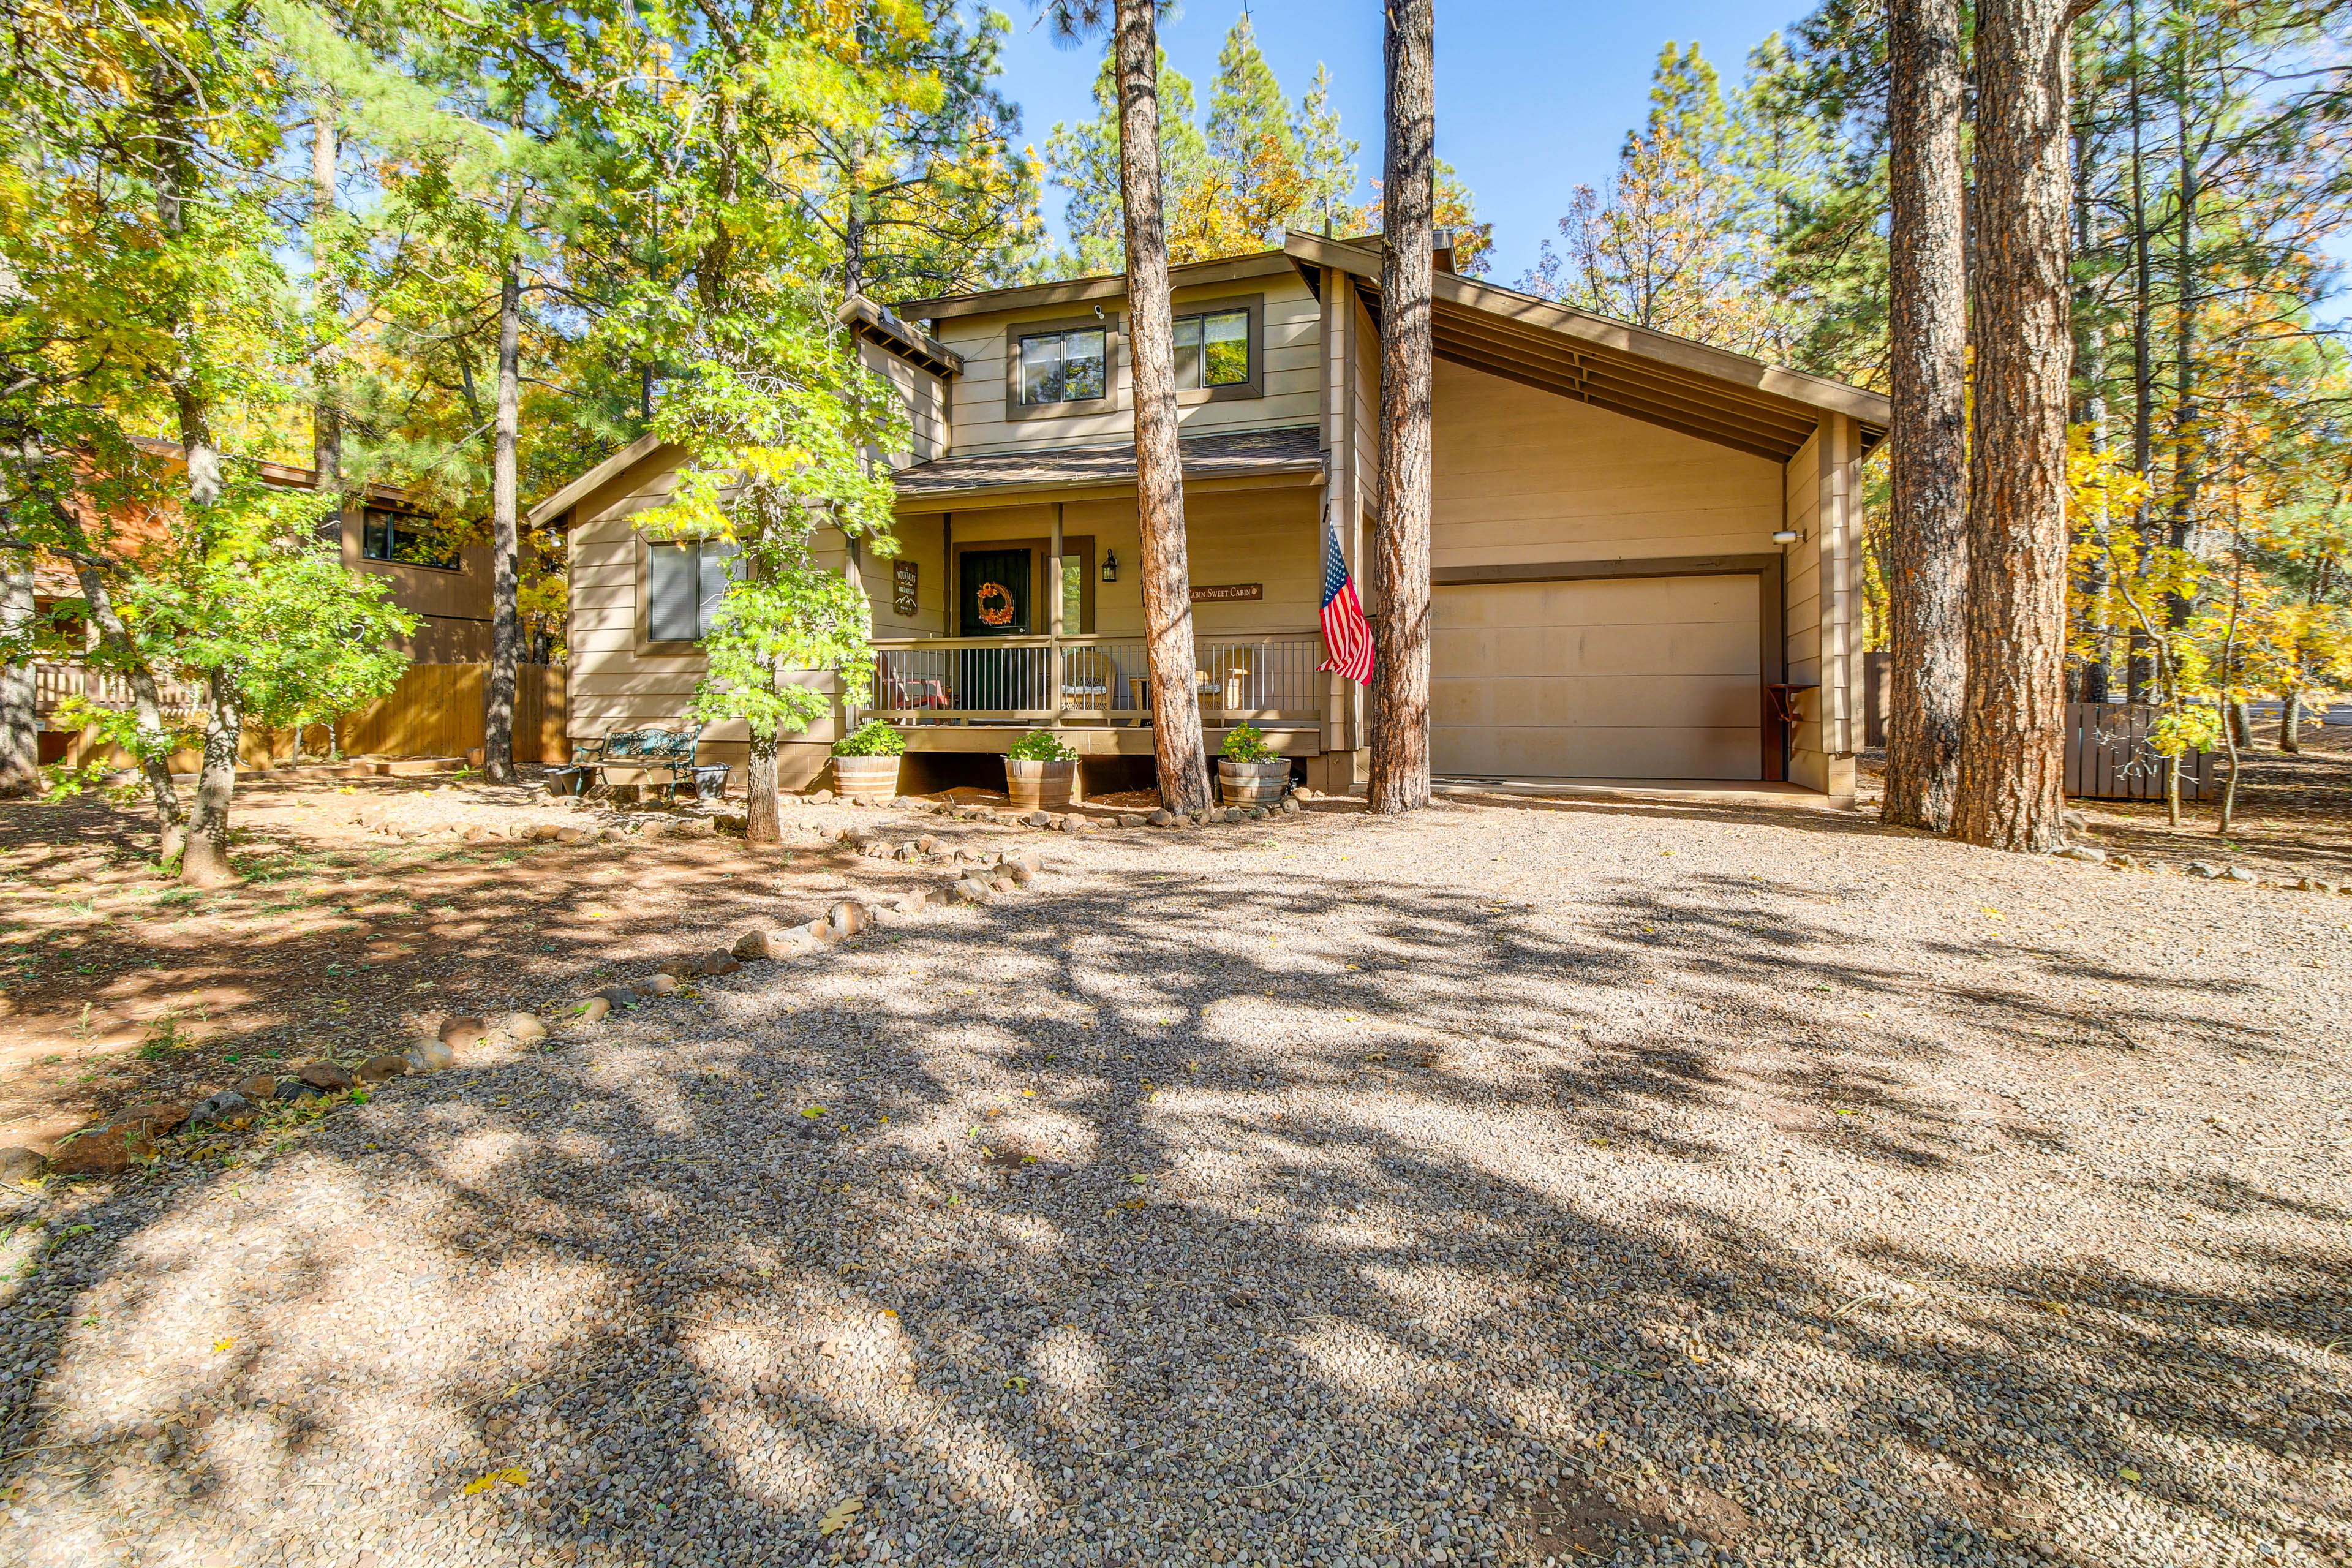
[1041, 746]
[1245, 743]
[872, 739]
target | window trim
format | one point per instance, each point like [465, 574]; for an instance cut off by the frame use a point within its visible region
[643, 571]
[457, 569]
[1114, 366]
[1255, 386]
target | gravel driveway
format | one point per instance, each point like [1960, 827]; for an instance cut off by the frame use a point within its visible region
[1577, 1180]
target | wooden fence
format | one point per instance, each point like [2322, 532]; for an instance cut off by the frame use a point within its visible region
[436, 711]
[2109, 756]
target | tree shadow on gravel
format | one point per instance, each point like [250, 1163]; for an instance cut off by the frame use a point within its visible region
[1272, 1220]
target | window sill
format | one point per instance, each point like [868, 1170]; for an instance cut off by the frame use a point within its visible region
[456, 570]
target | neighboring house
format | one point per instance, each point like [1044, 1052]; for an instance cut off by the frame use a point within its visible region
[381, 536]
[1610, 600]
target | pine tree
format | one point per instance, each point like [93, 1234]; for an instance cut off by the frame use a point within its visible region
[2008, 793]
[1326, 162]
[1400, 777]
[1926, 555]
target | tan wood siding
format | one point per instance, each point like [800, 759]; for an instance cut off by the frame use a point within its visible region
[1521, 474]
[1653, 677]
[1293, 375]
[925, 397]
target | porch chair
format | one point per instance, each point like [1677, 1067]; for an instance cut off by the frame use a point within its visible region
[1088, 678]
[1231, 680]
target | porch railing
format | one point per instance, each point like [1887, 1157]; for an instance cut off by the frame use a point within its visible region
[52, 683]
[1092, 679]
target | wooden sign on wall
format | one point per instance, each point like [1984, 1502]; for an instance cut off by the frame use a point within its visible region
[903, 579]
[1226, 592]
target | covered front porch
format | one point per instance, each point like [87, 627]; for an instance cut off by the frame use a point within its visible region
[1016, 600]
[979, 694]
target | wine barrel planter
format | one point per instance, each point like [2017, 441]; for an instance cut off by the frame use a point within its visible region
[859, 777]
[1253, 783]
[1041, 786]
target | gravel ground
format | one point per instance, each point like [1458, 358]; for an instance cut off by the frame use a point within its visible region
[1599, 1182]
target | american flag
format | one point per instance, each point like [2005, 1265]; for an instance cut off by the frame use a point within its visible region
[1345, 634]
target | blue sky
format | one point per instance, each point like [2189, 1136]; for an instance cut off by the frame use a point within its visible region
[1532, 99]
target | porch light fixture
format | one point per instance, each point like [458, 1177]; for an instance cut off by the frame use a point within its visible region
[1110, 566]
[1785, 536]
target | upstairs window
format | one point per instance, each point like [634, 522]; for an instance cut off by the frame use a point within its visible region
[683, 583]
[1212, 350]
[1065, 367]
[404, 539]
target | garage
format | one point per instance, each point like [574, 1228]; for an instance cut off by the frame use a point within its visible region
[1642, 677]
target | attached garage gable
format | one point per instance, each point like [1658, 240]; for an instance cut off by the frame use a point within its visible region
[1640, 677]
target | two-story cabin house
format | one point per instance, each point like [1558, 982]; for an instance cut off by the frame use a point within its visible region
[1644, 551]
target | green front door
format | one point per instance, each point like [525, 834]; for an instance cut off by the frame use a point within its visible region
[994, 595]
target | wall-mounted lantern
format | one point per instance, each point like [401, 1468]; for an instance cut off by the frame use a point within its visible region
[1110, 566]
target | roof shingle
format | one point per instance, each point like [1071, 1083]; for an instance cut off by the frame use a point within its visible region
[1238, 454]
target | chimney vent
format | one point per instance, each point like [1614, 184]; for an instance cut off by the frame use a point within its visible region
[1441, 250]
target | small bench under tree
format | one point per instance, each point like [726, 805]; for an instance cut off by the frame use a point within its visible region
[639, 751]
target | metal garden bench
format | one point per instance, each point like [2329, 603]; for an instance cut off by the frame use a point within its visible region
[660, 751]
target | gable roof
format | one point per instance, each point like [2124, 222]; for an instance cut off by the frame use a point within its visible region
[570, 495]
[1710, 393]
[1079, 290]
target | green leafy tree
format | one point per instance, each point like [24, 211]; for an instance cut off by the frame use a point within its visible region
[275, 629]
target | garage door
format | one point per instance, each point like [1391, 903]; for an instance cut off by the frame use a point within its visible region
[1640, 677]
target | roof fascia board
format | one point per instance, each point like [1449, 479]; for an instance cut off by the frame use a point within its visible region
[1081, 291]
[990, 498]
[1716, 364]
[868, 319]
[1696, 359]
[636, 451]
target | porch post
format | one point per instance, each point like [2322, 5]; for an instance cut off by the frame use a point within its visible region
[1054, 618]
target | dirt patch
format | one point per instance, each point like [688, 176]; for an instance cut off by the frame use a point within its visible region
[1571, 1522]
[370, 909]
[2292, 817]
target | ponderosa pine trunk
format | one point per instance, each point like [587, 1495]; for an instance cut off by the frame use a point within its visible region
[20, 719]
[204, 863]
[326, 408]
[1176, 741]
[505, 627]
[1400, 779]
[2140, 684]
[1926, 546]
[2009, 794]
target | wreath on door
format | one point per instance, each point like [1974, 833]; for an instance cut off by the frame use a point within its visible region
[995, 605]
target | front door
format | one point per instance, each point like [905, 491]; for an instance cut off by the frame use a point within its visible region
[996, 596]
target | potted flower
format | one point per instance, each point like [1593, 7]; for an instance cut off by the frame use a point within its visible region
[1041, 773]
[1248, 772]
[865, 761]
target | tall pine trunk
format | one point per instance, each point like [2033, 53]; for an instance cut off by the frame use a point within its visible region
[2008, 793]
[2188, 433]
[506, 626]
[206, 861]
[1926, 548]
[20, 721]
[1176, 741]
[326, 412]
[1400, 779]
[2140, 675]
